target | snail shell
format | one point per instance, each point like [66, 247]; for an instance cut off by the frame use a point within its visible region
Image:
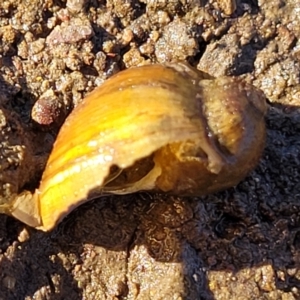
[168, 129]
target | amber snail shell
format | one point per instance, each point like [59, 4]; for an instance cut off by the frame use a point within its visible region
[167, 129]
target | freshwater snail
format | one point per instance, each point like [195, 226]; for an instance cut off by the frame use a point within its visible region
[168, 129]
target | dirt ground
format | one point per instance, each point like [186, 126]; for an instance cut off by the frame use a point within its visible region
[242, 243]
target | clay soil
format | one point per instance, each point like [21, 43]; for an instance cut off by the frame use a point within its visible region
[242, 243]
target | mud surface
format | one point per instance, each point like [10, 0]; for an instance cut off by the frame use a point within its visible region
[243, 243]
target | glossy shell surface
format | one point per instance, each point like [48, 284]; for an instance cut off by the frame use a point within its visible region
[162, 128]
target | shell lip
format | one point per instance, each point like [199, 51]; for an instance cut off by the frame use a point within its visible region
[25, 207]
